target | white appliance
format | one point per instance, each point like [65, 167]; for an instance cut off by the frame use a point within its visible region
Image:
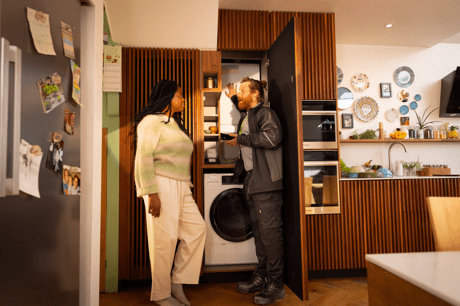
[228, 237]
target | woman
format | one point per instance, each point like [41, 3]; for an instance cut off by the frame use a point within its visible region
[75, 189]
[162, 176]
[64, 180]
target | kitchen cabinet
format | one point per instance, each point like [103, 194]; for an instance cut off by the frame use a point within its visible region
[377, 216]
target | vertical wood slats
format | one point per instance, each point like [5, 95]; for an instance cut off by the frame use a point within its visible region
[257, 30]
[377, 216]
[142, 68]
[243, 30]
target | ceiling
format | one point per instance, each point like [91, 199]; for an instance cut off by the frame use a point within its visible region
[418, 23]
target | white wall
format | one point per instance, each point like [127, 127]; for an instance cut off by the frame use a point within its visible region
[430, 65]
[165, 24]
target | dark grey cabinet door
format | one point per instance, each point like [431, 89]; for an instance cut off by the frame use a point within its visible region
[284, 95]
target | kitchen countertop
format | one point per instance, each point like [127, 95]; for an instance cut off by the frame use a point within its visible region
[435, 272]
[400, 178]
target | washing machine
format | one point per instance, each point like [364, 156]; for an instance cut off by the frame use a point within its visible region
[229, 237]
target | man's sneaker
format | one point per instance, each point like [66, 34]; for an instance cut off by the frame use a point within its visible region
[255, 284]
[269, 295]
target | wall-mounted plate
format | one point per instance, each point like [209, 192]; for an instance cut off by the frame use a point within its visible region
[360, 82]
[366, 109]
[404, 109]
[404, 76]
[413, 105]
[339, 75]
[392, 114]
[344, 97]
[417, 97]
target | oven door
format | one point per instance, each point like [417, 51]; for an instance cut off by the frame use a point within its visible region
[321, 182]
[319, 129]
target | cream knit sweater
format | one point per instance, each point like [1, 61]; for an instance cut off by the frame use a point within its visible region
[162, 149]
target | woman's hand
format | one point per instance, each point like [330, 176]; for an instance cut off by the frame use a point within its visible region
[231, 90]
[154, 205]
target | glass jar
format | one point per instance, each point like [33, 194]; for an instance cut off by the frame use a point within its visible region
[412, 132]
[443, 133]
[436, 132]
[428, 132]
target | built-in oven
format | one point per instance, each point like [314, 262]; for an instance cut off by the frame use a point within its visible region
[319, 118]
[321, 182]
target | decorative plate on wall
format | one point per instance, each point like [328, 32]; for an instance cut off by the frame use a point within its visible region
[366, 108]
[413, 105]
[404, 76]
[344, 97]
[418, 97]
[404, 109]
[339, 76]
[392, 114]
[403, 96]
[360, 82]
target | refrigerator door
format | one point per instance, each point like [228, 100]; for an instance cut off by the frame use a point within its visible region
[10, 118]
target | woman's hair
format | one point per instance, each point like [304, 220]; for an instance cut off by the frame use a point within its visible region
[160, 100]
[73, 178]
[256, 85]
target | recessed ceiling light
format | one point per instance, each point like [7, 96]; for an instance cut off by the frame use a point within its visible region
[389, 25]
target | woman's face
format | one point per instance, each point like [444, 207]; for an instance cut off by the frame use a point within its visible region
[65, 175]
[178, 102]
[69, 180]
[75, 182]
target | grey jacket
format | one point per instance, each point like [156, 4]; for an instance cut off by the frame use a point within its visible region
[265, 139]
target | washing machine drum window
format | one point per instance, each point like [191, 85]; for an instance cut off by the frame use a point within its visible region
[229, 216]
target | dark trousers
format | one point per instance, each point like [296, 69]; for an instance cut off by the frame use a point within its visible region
[266, 223]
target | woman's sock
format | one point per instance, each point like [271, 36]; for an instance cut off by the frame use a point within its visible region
[169, 301]
[178, 293]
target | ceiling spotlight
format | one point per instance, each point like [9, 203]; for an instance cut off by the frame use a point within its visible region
[389, 25]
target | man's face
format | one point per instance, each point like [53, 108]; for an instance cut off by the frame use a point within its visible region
[245, 96]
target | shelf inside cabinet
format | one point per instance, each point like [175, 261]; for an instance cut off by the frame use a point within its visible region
[211, 117]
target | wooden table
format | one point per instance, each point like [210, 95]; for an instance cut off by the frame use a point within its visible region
[431, 278]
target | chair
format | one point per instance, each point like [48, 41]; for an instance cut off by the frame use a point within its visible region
[445, 222]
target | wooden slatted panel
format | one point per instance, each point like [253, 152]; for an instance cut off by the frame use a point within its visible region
[377, 216]
[319, 58]
[142, 68]
[243, 30]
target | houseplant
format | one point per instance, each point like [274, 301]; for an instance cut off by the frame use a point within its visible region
[421, 120]
[411, 167]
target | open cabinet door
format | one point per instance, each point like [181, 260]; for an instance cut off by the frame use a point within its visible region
[285, 83]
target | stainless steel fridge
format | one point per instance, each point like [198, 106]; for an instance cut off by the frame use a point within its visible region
[39, 237]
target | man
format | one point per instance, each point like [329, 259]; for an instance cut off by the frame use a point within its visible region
[259, 139]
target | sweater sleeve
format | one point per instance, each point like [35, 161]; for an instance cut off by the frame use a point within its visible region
[148, 136]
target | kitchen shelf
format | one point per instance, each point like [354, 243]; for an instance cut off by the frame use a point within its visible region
[397, 140]
[212, 90]
[218, 166]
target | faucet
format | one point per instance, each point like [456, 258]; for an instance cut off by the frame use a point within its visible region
[389, 150]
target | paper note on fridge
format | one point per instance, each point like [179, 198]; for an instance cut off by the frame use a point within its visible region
[39, 24]
[112, 68]
[30, 158]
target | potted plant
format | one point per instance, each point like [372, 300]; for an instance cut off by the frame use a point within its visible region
[421, 121]
[411, 167]
[345, 171]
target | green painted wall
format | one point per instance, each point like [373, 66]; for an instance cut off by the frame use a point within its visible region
[111, 121]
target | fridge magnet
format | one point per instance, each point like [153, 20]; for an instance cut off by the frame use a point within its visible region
[67, 40]
[68, 121]
[39, 24]
[30, 158]
[50, 92]
[347, 121]
[385, 90]
[71, 180]
[404, 121]
[76, 72]
[55, 153]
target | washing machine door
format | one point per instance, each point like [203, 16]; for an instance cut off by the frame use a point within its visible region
[229, 216]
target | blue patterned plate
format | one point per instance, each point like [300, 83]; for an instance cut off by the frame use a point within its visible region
[413, 105]
[339, 76]
[404, 76]
[417, 97]
[404, 109]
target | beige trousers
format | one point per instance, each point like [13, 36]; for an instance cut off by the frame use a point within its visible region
[179, 219]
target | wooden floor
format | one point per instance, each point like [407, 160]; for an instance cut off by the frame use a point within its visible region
[330, 291]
